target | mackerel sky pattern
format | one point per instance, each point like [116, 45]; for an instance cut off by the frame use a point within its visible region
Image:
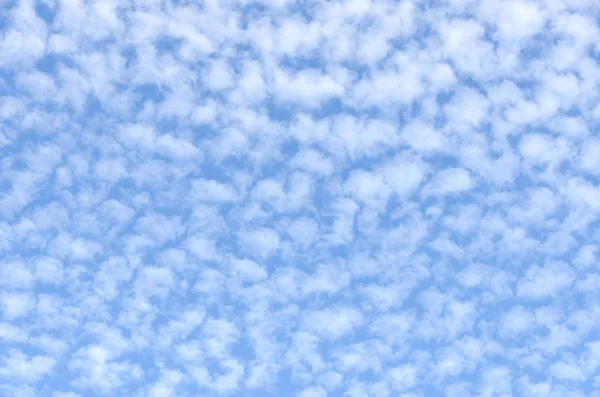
[343, 198]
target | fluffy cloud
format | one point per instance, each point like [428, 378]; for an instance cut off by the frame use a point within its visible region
[291, 198]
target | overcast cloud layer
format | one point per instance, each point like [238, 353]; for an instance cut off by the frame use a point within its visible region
[299, 198]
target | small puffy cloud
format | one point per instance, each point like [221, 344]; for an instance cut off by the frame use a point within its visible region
[314, 162]
[517, 321]
[333, 323]
[15, 274]
[97, 369]
[463, 44]
[367, 187]
[248, 270]
[269, 192]
[542, 149]
[145, 138]
[451, 181]
[153, 281]
[15, 305]
[567, 371]
[519, 19]
[263, 242]
[18, 366]
[589, 157]
[49, 270]
[313, 391]
[303, 231]
[424, 138]
[218, 75]
[212, 191]
[403, 377]
[403, 176]
[10, 333]
[202, 248]
[307, 88]
[110, 169]
[545, 281]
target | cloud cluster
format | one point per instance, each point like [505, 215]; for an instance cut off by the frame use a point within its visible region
[299, 198]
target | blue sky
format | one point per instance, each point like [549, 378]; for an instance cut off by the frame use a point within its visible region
[299, 198]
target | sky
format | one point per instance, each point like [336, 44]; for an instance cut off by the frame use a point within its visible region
[343, 198]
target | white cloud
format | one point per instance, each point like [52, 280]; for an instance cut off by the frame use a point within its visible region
[200, 247]
[30, 369]
[15, 274]
[262, 241]
[10, 333]
[518, 19]
[452, 181]
[248, 269]
[15, 305]
[303, 231]
[425, 138]
[362, 198]
[66, 394]
[333, 323]
[516, 321]
[463, 44]
[403, 377]
[313, 161]
[545, 281]
[306, 88]
[403, 176]
[49, 270]
[570, 371]
[313, 391]
[367, 187]
[590, 157]
[218, 75]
